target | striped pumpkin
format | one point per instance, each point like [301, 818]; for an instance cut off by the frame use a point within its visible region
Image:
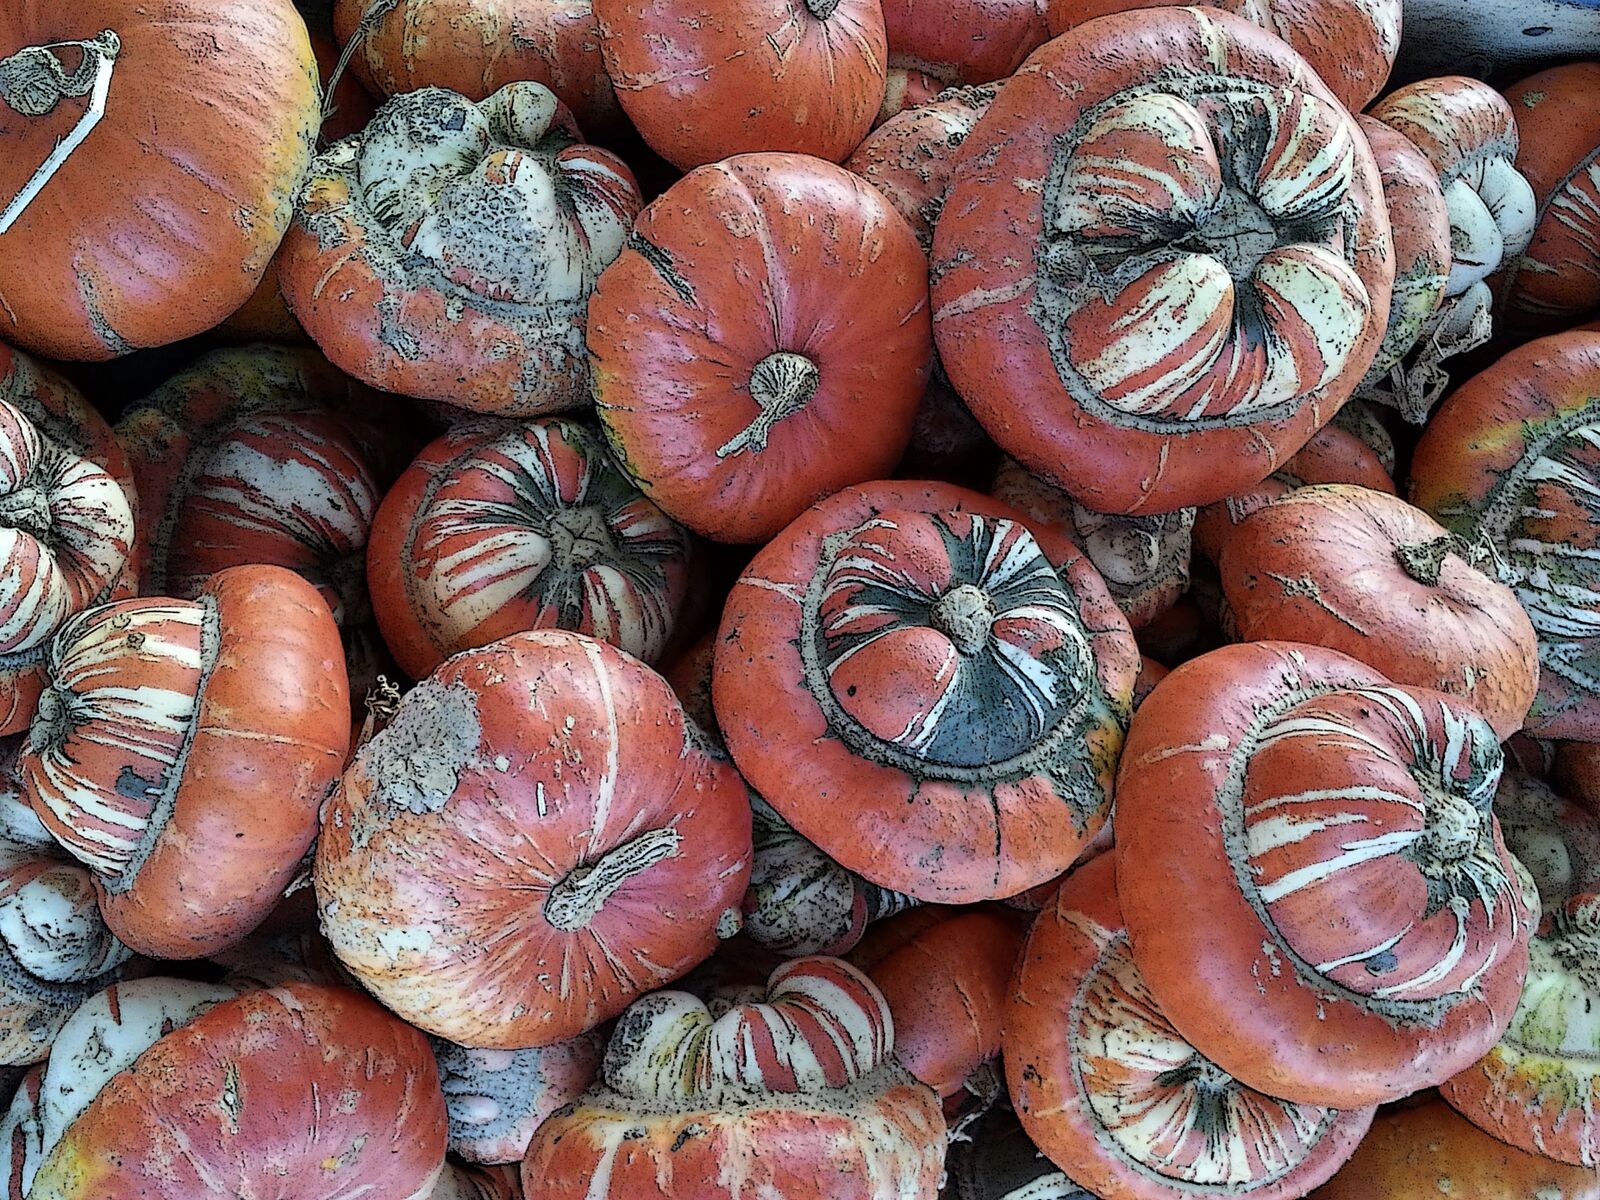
[765, 1098]
[495, 529]
[1311, 785]
[181, 751]
[1155, 293]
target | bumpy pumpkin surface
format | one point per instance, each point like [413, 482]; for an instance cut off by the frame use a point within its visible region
[536, 839]
[1351, 44]
[477, 46]
[762, 342]
[448, 250]
[303, 1091]
[1271, 784]
[795, 1092]
[181, 751]
[141, 238]
[1511, 462]
[703, 81]
[495, 529]
[497, 1098]
[964, 42]
[1119, 1098]
[1155, 293]
[912, 658]
[1557, 840]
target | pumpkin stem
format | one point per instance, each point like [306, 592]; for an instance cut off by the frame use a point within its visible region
[579, 895]
[781, 385]
[964, 615]
[382, 702]
[822, 9]
[33, 82]
[376, 11]
[1424, 561]
[27, 509]
[579, 537]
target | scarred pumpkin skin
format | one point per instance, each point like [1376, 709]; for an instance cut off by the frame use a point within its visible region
[960, 42]
[1510, 461]
[1270, 784]
[1428, 1150]
[1116, 1096]
[142, 239]
[702, 82]
[495, 529]
[1351, 44]
[478, 46]
[181, 751]
[762, 342]
[498, 1098]
[448, 250]
[1556, 280]
[794, 1092]
[1126, 316]
[1370, 576]
[535, 840]
[912, 656]
[304, 1091]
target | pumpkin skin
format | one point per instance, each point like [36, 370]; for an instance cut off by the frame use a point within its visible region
[1556, 280]
[496, 529]
[1143, 560]
[1557, 840]
[145, 758]
[757, 303]
[475, 47]
[1577, 773]
[497, 1098]
[1088, 336]
[157, 1131]
[795, 1092]
[535, 840]
[141, 240]
[960, 783]
[1117, 1097]
[1429, 1150]
[467, 283]
[1351, 44]
[964, 42]
[1507, 461]
[1274, 749]
[478, 1183]
[704, 82]
[1370, 576]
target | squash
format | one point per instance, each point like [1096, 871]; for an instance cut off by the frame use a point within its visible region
[1557, 840]
[959, 42]
[497, 1098]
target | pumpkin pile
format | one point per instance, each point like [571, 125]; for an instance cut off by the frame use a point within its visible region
[798, 600]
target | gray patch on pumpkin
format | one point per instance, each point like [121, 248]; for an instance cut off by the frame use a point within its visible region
[416, 762]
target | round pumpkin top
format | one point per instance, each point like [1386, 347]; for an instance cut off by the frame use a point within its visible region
[162, 217]
[762, 342]
[1512, 460]
[1369, 575]
[1154, 293]
[1115, 1094]
[533, 841]
[1271, 784]
[911, 655]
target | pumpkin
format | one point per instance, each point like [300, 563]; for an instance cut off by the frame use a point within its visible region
[1556, 280]
[1118, 1097]
[757, 303]
[795, 1092]
[998, 1161]
[303, 1091]
[1144, 560]
[448, 250]
[498, 528]
[1351, 44]
[475, 47]
[497, 1098]
[1271, 784]
[1406, 374]
[1577, 773]
[1539, 1088]
[1427, 1150]
[182, 747]
[702, 82]
[1556, 840]
[151, 154]
[964, 42]
[928, 691]
[536, 839]
[1361, 421]
[1137, 324]
[1367, 574]
[1509, 462]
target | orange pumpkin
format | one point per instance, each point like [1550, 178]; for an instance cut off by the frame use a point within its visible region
[1577, 773]
[702, 82]
[958, 42]
[1130, 320]
[157, 219]
[759, 306]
